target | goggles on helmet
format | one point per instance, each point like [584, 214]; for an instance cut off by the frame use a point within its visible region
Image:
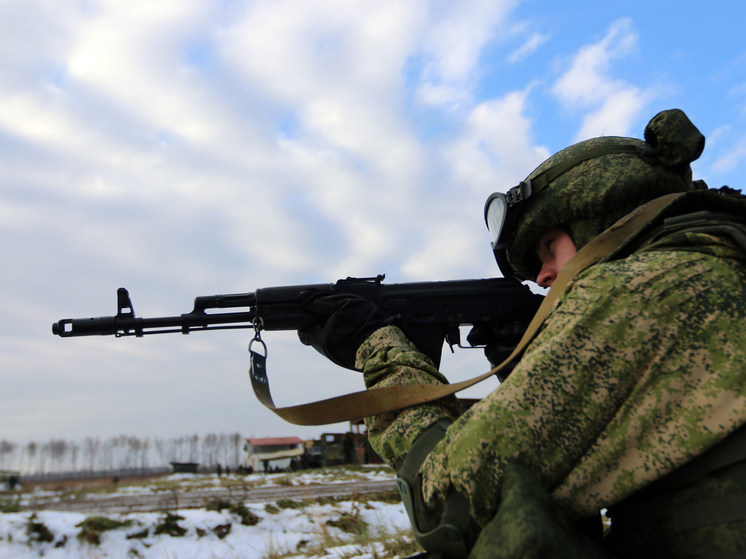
[499, 214]
[502, 211]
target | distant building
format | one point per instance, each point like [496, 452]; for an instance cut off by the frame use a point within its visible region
[184, 467]
[272, 453]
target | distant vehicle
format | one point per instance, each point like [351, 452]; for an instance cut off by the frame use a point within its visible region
[271, 454]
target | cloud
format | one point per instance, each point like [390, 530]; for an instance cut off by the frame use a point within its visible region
[731, 159]
[611, 104]
[337, 69]
[528, 48]
[493, 151]
[496, 148]
[587, 81]
[615, 115]
[139, 119]
[134, 55]
[451, 46]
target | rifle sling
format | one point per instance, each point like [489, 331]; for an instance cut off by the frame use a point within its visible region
[376, 401]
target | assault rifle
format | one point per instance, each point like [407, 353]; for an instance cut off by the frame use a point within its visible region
[430, 312]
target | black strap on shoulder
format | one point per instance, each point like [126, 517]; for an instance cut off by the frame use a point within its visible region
[700, 211]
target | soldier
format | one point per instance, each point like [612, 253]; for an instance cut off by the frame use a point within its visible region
[629, 398]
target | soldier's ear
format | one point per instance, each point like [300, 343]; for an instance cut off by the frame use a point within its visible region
[676, 141]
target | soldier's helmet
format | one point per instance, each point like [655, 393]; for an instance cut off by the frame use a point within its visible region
[589, 186]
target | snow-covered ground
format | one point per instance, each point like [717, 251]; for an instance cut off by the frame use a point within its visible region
[339, 529]
[184, 483]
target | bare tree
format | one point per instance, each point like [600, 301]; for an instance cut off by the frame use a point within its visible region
[237, 448]
[223, 442]
[91, 450]
[74, 450]
[193, 446]
[209, 450]
[57, 450]
[44, 451]
[31, 449]
[145, 453]
[122, 452]
[7, 448]
[134, 445]
[160, 449]
[108, 448]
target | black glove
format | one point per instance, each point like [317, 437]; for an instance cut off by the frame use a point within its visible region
[345, 322]
[499, 341]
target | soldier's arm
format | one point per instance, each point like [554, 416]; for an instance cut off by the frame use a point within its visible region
[599, 370]
[388, 358]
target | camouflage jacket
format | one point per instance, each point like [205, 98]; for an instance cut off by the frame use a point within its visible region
[640, 366]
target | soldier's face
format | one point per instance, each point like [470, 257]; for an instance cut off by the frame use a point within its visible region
[555, 249]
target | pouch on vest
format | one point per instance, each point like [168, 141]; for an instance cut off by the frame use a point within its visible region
[529, 524]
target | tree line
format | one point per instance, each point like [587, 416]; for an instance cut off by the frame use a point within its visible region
[94, 454]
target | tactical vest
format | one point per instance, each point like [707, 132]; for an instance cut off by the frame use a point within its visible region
[698, 510]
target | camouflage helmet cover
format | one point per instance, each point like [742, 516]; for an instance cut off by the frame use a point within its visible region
[595, 194]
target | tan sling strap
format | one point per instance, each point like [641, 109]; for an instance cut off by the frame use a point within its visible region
[381, 400]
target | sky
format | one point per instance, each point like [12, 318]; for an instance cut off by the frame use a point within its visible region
[182, 148]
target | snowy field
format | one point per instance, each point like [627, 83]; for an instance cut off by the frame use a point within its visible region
[355, 527]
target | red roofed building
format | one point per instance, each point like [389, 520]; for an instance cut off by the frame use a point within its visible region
[272, 452]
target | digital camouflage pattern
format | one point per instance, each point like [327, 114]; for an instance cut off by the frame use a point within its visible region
[640, 366]
[388, 358]
[529, 525]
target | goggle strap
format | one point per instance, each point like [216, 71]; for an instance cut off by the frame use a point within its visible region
[519, 193]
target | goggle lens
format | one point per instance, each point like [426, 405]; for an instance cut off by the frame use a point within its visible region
[494, 213]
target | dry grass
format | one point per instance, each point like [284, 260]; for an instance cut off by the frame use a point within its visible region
[350, 532]
[358, 539]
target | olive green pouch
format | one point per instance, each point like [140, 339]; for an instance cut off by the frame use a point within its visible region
[530, 525]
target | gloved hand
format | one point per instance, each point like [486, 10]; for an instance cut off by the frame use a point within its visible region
[345, 322]
[499, 341]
